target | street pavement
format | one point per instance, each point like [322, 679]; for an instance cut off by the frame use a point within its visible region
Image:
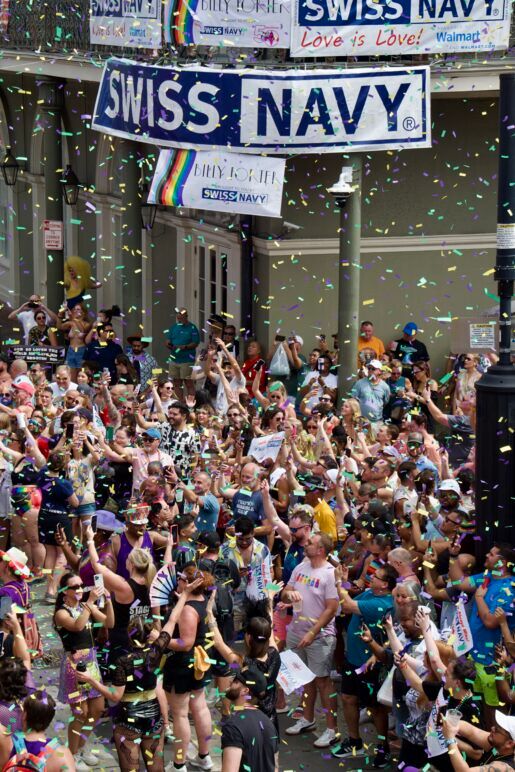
[296, 753]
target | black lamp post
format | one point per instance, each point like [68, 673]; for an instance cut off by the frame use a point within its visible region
[10, 168]
[148, 211]
[495, 452]
[70, 185]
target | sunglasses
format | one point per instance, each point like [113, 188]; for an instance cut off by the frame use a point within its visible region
[75, 587]
[148, 439]
[415, 444]
[294, 530]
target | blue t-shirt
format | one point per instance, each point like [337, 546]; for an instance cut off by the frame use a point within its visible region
[373, 608]
[500, 594]
[207, 517]
[293, 557]
[183, 335]
[372, 397]
[245, 505]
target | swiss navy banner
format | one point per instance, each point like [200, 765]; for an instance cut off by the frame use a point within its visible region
[253, 111]
[371, 27]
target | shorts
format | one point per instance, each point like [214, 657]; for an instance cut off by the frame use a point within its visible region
[281, 622]
[365, 686]
[75, 357]
[485, 684]
[85, 511]
[318, 656]
[181, 371]
[47, 527]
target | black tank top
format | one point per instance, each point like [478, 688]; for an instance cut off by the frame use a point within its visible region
[200, 637]
[74, 641]
[124, 613]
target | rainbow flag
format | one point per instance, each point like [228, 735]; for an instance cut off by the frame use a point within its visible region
[170, 177]
[179, 19]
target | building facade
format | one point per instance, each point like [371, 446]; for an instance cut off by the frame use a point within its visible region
[428, 216]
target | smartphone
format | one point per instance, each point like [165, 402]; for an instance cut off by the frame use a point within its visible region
[137, 390]
[280, 338]
[6, 603]
[175, 533]
[21, 419]
[105, 371]
[321, 338]
[70, 429]
[259, 364]
[320, 366]
[333, 560]
[98, 581]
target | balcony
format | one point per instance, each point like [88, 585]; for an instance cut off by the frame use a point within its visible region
[61, 28]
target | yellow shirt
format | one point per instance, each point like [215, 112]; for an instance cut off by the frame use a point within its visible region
[326, 520]
[374, 343]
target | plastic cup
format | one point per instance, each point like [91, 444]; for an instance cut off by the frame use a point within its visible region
[453, 716]
[297, 606]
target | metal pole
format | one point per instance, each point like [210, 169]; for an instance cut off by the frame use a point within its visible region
[495, 464]
[348, 282]
[131, 237]
[51, 101]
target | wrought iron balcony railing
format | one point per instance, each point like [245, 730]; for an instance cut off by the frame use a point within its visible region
[61, 27]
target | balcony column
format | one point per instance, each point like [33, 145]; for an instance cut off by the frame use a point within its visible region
[51, 104]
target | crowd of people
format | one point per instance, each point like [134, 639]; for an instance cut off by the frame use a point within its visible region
[193, 520]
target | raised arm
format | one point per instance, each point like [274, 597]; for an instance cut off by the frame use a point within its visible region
[271, 515]
[435, 411]
[231, 358]
[222, 648]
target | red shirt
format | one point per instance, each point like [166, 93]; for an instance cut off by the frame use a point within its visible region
[248, 369]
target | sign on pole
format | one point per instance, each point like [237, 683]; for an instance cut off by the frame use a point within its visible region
[53, 234]
[134, 23]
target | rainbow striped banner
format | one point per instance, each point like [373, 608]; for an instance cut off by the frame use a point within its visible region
[243, 23]
[222, 182]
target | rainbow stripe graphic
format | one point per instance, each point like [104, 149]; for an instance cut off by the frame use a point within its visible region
[167, 188]
[179, 20]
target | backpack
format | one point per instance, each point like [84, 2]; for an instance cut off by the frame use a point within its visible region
[29, 626]
[223, 580]
[24, 761]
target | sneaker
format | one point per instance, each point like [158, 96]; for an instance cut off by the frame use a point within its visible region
[347, 750]
[382, 757]
[170, 767]
[169, 735]
[81, 766]
[280, 711]
[205, 763]
[302, 725]
[327, 738]
[88, 758]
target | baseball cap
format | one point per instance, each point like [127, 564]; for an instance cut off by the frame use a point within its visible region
[389, 450]
[506, 722]
[25, 386]
[254, 680]
[410, 328]
[376, 364]
[450, 485]
[152, 432]
[299, 340]
[106, 521]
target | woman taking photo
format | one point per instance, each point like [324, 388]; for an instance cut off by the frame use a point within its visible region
[74, 621]
[41, 334]
[57, 498]
[130, 596]
[184, 677]
[465, 391]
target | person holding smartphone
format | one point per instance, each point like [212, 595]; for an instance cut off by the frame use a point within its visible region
[254, 363]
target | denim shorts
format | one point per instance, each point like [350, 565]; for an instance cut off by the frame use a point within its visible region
[75, 357]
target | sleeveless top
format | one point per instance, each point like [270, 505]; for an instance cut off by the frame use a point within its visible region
[184, 658]
[21, 477]
[75, 641]
[124, 613]
[126, 549]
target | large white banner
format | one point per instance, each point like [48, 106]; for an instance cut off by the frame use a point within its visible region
[132, 23]
[256, 111]
[220, 181]
[384, 27]
[243, 23]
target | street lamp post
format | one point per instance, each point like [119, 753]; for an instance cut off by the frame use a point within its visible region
[495, 464]
[347, 196]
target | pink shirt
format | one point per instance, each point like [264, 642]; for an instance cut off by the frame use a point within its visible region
[140, 462]
[317, 586]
